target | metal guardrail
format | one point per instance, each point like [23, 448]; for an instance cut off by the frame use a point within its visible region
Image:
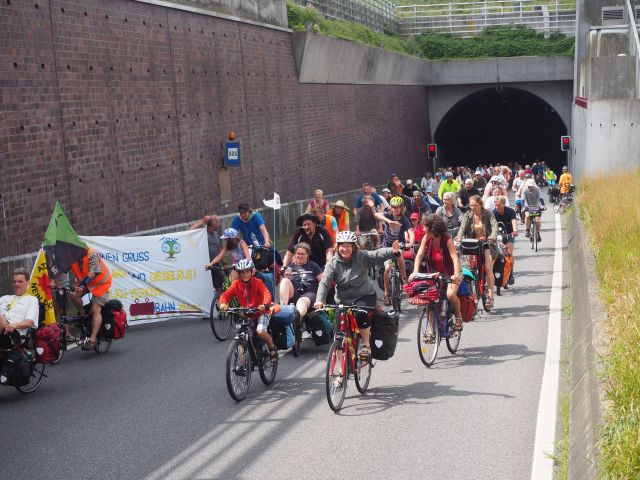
[379, 15]
[468, 19]
[634, 42]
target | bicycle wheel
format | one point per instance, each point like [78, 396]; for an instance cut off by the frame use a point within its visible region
[37, 375]
[336, 383]
[396, 292]
[221, 323]
[103, 344]
[363, 374]
[268, 368]
[428, 343]
[534, 238]
[238, 370]
[453, 337]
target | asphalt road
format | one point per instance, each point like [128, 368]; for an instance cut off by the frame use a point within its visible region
[156, 406]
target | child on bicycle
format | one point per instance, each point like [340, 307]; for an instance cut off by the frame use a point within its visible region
[250, 292]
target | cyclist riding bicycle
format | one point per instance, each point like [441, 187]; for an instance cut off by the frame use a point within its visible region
[235, 247]
[300, 281]
[565, 181]
[250, 292]
[92, 276]
[396, 225]
[439, 254]
[550, 176]
[507, 216]
[532, 196]
[349, 269]
[18, 312]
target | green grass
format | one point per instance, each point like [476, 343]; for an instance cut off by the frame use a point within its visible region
[492, 42]
[614, 235]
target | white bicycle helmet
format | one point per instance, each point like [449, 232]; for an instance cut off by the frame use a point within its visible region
[346, 236]
[229, 233]
[244, 264]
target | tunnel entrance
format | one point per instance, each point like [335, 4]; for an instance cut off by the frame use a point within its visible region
[501, 125]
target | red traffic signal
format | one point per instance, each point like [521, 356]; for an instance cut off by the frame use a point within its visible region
[432, 150]
[565, 143]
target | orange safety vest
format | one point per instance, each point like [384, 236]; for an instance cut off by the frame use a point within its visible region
[101, 283]
[343, 219]
[328, 220]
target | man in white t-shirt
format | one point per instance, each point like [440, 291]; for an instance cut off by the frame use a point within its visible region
[18, 312]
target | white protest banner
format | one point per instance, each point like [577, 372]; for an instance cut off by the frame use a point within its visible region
[158, 276]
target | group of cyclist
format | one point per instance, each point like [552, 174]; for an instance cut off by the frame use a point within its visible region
[326, 257]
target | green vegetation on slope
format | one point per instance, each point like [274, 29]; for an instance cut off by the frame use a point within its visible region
[493, 42]
[614, 234]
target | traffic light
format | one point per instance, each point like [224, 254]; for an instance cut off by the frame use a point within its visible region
[565, 143]
[432, 150]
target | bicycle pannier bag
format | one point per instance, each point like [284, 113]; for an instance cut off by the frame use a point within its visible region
[285, 316]
[553, 193]
[47, 343]
[470, 246]
[282, 335]
[467, 302]
[319, 325]
[16, 368]
[384, 335]
[421, 292]
[114, 319]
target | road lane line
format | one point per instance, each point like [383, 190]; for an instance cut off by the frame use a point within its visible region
[542, 468]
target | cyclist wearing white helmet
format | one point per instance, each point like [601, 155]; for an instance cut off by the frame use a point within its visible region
[396, 228]
[235, 247]
[349, 269]
[250, 292]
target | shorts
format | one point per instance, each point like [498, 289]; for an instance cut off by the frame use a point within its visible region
[310, 295]
[262, 323]
[102, 301]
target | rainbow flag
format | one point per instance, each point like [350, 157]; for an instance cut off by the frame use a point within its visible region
[39, 287]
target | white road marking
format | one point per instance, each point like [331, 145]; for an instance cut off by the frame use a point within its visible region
[542, 468]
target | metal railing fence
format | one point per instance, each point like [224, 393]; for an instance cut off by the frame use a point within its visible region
[634, 41]
[379, 15]
[468, 19]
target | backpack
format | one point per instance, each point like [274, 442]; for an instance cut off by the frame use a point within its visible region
[47, 342]
[384, 335]
[285, 316]
[319, 325]
[114, 319]
[283, 336]
[17, 368]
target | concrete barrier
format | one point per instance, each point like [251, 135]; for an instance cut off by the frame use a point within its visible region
[587, 319]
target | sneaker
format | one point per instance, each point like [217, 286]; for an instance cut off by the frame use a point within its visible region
[527, 234]
[538, 238]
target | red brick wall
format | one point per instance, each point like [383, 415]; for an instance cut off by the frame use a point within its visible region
[118, 110]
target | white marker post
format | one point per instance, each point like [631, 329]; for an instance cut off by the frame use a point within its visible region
[275, 205]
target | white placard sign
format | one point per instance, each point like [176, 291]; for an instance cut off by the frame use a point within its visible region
[158, 276]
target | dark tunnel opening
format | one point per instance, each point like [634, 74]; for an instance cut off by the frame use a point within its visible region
[501, 125]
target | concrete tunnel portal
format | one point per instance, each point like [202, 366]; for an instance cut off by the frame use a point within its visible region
[501, 124]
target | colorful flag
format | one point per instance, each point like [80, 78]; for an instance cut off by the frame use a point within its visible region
[61, 243]
[39, 288]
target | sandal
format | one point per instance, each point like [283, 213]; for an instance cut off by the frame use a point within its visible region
[490, 303]
[365, 354]
[274, 354]
[430, 338]
[458, 325]
[88, 345]
[338, 381]
[387, 301]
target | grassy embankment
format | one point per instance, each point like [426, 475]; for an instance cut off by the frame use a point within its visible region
[493, 42]
[614, 233]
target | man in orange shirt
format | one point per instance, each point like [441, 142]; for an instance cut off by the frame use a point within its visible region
[565, 181]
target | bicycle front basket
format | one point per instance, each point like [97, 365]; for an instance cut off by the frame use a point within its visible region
[470, 246]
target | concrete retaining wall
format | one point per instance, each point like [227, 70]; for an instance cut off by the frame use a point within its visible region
[606, 137]
[587, 319]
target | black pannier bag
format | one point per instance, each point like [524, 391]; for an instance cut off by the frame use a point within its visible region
[16, 368]
[384, 335]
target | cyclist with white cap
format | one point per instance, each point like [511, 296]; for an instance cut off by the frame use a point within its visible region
[235, 247]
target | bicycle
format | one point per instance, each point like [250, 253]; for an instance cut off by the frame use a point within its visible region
[299, 324]
[221, 323]
[475, 249]
[344, 355]
[534, 228]
[564, 201]
[23, 345]
[246, 352]
[371, 241]
[81, 326]
[395, 283]
[501, 277]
